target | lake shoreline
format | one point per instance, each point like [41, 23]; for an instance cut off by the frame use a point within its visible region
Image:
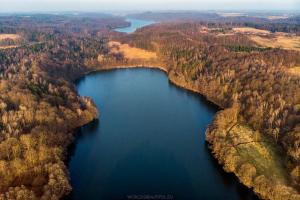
[213, 134]
[175, 80]
[171, 79]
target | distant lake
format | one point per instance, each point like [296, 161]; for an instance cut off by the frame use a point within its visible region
[135, 24]
[148, 144]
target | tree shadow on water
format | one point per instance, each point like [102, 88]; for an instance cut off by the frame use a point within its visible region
[81, 133]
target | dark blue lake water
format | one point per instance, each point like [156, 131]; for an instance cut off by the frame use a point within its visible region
[148, 144]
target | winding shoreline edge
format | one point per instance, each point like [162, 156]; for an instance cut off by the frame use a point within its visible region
[263, 190]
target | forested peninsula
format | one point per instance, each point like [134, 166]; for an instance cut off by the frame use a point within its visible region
[256, 135]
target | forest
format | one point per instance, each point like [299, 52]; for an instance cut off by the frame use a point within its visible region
[40, 109]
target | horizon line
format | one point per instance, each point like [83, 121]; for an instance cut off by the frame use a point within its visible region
[145, 10]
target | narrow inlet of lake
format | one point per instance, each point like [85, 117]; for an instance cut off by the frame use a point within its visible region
[134, 24]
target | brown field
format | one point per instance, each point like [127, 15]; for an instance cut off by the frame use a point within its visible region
[9, 36]
[273, 17]
[279, 41]
[231, 14]
[131, 52]
[8, 47]
[251, 30]
[295, 70]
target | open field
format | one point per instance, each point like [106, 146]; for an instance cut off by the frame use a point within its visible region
[13, 37]
[279, 41]
[274, 17]
[231, 14]
[274, 40]
[259, 152]
[8, 47]
[295, 70]
[9, 36]
[250, 30]
[131, 52]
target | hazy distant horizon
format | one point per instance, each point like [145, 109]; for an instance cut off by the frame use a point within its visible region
[8, 6]
[125, 12]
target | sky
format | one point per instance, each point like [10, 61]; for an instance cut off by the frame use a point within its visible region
[111, 5]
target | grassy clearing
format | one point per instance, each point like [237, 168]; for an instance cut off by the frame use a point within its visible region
[295, 70]
[8, 47]
[265, 38]
[254, 158]
[250, 30]
[13, 37]
[131, 52]
[231, 14]
[9, 36]
[259, 151]
[279, 41]
[274, 17]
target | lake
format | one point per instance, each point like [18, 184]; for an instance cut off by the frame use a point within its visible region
[149, 142]
[135, 24]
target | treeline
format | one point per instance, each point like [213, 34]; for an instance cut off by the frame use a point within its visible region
[239, 48]
[276, 27]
